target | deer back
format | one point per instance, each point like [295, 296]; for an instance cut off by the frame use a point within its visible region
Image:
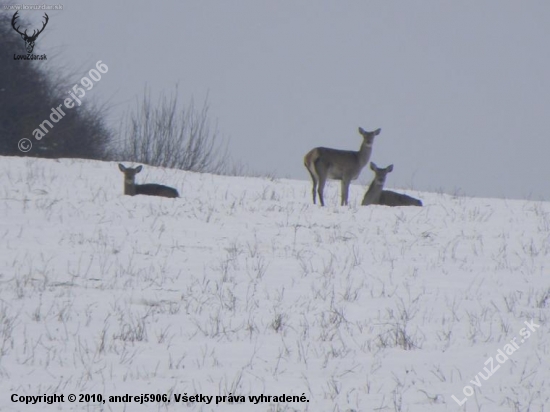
[152, 189]
[389, 198]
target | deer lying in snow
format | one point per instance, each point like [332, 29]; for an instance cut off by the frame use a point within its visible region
[150, 189]
[377, 196]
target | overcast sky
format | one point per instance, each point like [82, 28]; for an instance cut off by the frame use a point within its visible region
[461, 89]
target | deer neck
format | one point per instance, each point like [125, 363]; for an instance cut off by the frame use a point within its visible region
[376, 186]
[129, 186]
[373, 193]
[364, 153]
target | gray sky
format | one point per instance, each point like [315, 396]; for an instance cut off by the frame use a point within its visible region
[461, 90]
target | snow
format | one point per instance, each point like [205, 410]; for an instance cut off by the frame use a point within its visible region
[243, 287]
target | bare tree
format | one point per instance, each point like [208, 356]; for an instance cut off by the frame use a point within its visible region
[168, 134]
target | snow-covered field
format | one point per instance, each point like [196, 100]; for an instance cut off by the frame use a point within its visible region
[242, 287]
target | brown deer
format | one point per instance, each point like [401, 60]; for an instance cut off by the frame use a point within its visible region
[324, 163]
[377, 196]
[389, 198]
[29, 40]
[150, 189]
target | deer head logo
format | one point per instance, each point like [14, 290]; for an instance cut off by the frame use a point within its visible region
[29, 40]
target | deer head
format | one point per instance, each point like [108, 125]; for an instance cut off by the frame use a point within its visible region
[380, 173]
[29, 40]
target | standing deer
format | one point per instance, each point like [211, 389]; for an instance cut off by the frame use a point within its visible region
[377, 196]
[344, 165]
[150, 189]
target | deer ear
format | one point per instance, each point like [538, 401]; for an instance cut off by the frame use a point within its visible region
[390, 168]
[377, 131]
[121, 167]
[373, 166]
[138, 169]
[361, 131]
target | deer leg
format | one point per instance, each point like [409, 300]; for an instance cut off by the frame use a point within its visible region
[345, 189]
[321, 188]
[313, 192]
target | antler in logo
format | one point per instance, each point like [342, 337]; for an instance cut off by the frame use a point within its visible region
[29, 40]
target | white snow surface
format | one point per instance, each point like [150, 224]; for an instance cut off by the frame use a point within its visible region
[243, 287]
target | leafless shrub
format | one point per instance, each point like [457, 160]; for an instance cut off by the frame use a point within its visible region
[168, 134]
